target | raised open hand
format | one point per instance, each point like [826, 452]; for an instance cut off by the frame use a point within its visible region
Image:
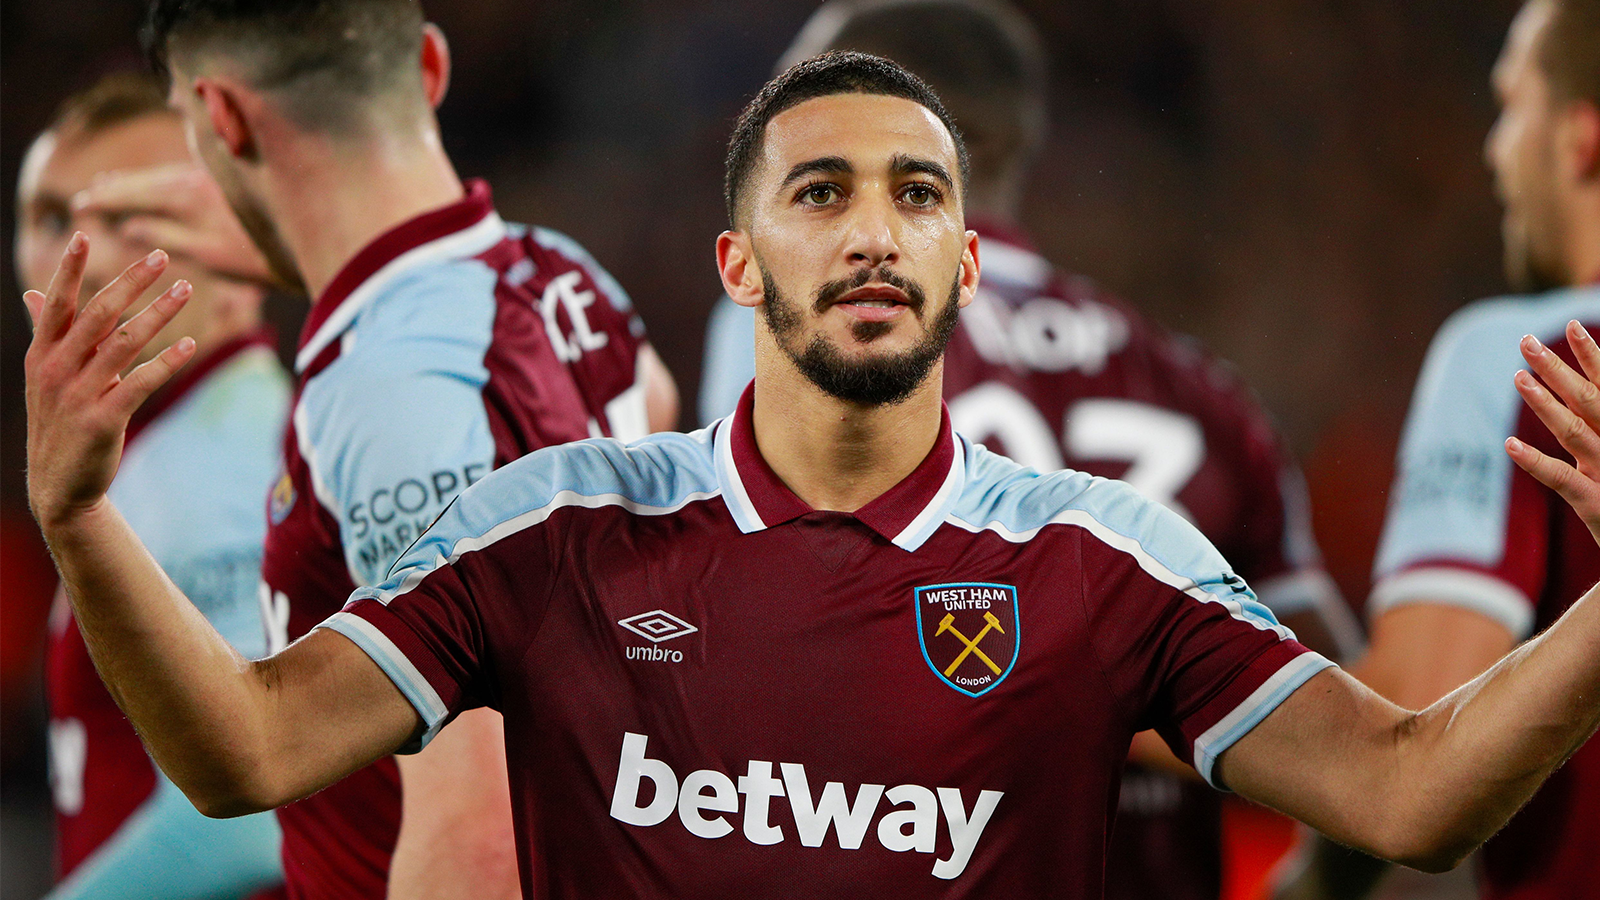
[178, 207]
[1570, 408]
[79, 402]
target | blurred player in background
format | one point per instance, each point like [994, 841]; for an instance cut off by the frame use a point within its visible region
[441, 343]
[1476, 556]
[1049, 370]
[199, 458]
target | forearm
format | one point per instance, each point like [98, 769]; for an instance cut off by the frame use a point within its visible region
[1478, 754]
[195, 701]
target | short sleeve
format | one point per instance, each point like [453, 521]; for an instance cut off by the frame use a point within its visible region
[1180, 635]
[390, 442]
[470, 592]
[1457, 499]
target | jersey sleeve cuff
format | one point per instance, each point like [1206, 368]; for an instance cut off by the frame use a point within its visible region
[1246, 715]
[355, 624]
[1457, 586]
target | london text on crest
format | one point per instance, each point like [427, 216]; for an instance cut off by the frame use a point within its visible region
[969, 633]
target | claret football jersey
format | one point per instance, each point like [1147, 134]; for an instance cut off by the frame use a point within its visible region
[1049, 369]
[712, 690]
[450, 345]
[1467, 527]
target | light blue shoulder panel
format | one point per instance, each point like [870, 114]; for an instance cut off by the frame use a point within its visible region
[657, 475]
[193, 486]
[1452, 489]
[730, 358]
[1016, 502]
[396, 426]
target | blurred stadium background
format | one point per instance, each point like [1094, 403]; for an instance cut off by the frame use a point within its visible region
[1299, 184]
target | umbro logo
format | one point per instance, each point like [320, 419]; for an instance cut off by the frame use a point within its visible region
[656, 626]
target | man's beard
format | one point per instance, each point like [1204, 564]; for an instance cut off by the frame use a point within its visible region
[873, 381]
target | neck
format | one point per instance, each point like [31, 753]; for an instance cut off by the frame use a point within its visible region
[833, 454]
[330, 199]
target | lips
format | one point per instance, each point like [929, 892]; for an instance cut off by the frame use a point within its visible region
[875, 296]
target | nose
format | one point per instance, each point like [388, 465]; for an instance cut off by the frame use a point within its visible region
[872, 239]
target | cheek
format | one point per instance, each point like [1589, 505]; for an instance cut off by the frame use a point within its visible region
[37, 257]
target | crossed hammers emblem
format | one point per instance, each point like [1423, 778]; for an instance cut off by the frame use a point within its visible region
[948, 624]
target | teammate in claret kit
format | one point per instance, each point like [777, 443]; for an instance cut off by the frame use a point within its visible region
[1476, 556]
[1047, 369]
[441, 342]
[811, 741]
[199, 456]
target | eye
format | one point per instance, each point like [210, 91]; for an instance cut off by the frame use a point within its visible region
[820, 194]
[921, 195]
[52, 219]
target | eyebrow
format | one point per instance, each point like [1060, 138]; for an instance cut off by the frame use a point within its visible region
[903, 164]
[900, 164]
[823, 165]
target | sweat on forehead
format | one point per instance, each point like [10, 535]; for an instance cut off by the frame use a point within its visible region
[834, 72]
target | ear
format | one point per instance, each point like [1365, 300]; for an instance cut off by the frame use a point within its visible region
[969, 269]
[225, 112]
[435, 64]
[736, 261]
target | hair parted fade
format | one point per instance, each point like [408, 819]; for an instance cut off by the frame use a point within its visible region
[1569, 52]
[324, 58]
[834, 72]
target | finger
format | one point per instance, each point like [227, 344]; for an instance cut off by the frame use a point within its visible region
[156, 190]
[1573, 433]
[1584, 348]
[33, 302]
[131, 392]
[1579, 393]
[107, 307]
[1579, 492]
[155, 231]
[61, 297]
[125, 343]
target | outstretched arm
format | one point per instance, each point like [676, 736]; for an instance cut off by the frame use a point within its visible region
[1426, 788]
[236, 736]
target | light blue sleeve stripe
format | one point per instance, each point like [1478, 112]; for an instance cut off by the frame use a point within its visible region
[730, 358]
[1252, 711]
[168, 851]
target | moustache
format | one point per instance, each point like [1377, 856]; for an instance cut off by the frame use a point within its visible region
[833, 290]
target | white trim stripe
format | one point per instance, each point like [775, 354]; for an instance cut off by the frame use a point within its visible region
[468, 242]
[377, 645]
[1247, 715]
[505, 529]
[1131, 546]
[1481, 593]
[733, 492]
[927, 522]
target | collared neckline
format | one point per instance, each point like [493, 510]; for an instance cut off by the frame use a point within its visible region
[189, 377]
[906, 514]
[461, 229]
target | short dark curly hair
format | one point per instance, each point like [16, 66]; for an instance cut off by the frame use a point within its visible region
[834, 72]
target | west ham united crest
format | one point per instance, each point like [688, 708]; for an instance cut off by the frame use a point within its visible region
[969, 633]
